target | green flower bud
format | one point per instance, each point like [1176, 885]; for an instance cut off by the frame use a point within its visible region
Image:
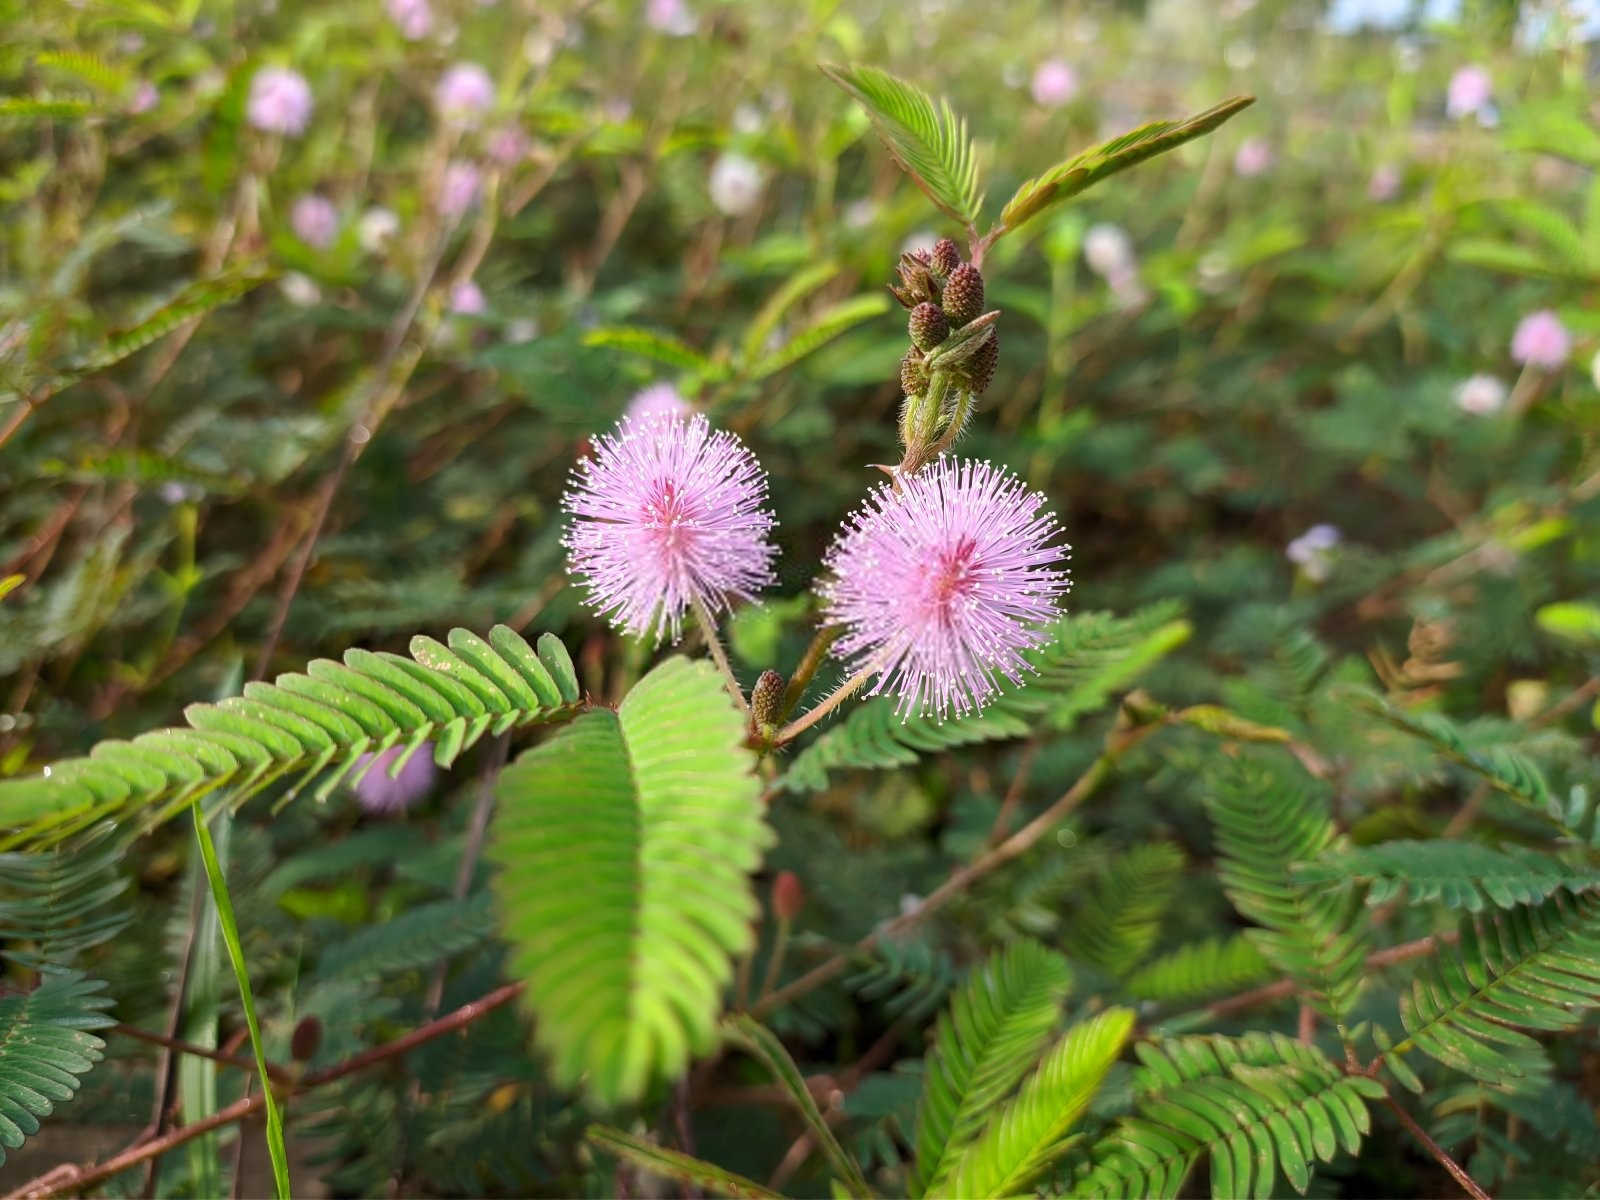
[963, 295]
[928, 326]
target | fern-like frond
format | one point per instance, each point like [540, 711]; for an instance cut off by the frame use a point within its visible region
[909, 978]
[1031, 1132]
[994, 1030]
[419, 937]
[45, 1046]
[1200, 969]
[925, 136]
[647, 343]
[302, 726]
[819, 331]
[1117, 917]
[1264, 823]
[624, 846]
[1535, 967]
[1255, 1106]
[1085, 658]
[54, 905]
[1456, 874]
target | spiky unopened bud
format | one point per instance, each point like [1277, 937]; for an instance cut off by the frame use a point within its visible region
[916, 279]
[765, 699]
[788, 896]
[946, 256]
[963, 294]
[980, 367]
[305, 1039]
[913, 374]
[928, 326]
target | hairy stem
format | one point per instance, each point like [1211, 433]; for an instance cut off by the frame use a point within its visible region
[708, 627]
[813, 658]
[839, 695]
[1457, 1172]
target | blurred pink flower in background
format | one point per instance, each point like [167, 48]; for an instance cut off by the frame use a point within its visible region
[377, 793]
[508, 146]
[314, 220]
[1542, 341]
[279, 101]
[1481, 395]
[466, 300]
[657, 400]
[1054, 83]
[1254, 157]
[459, 188]
[413, 18]
[735, 184]
[1385, 183]
[1469, 91]
[465, 92]
[671, 17]
[144, 97]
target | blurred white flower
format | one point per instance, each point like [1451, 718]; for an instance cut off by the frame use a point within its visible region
[1239, 56]
[1594, 369]
[458, 189]
[1407, 54]
[315, 220]
[1107, 249]
[1213, 272]
[923, 240]
[859, 214]
[1253, 158]
[747, 119]
[1313, 550]
[300, 289]
[173, 492]
[464, 93]
[523, 329]
[466, 300]
[144, 97]
[1126, 287]
[735, 184]
[1054, 84]
[671, 17]
[1481, 395]
[1469, 92]
[375, 228]
[1542, 341]
[413, 18]
[279, 101]
[1384, 184]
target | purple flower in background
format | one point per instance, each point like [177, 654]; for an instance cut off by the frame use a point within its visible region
[1054, 84]
[464, 94]
[1254, 157]
[144, 98]
[1469, 92]
[1481, 395]
[671, 17]
[459, 188]
[657, 400]
[314, 220]
[279, 101]
[466, 299]
[508, 146]
[1384, 184]
[666, 514]
[735, 184]
[1542, 341]
[377, 793]
[943, 585]
[413, 18]
[1313, 550]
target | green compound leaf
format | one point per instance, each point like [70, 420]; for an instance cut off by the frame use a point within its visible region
[1455, 874]
[672, 1164]
[45, 1046]
[925, 136]
[624, 846]
[1087, 168]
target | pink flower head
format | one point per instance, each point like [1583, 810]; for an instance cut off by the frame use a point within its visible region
[508, 146]
[465, 92]
[1542, 341]
[377, 792]
[668, 513]
[279, 102]
[942, 585]
[1481, 395]
[1469, 92]
[657, 400]
[144, 98]
[1384, 184]
[671, 17]
[314, 220]
[1253, 158]
[466, 300]
[458, 189]
[413, 18]
[1054, 83]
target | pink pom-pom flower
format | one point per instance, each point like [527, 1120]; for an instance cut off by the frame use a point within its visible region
[1542, 341]
[1054, 83]
[279, 101]
[458, 188]
[467, 299]
[413, 18]
[657, 400]
[315, 220]
[1253, 158]
[943, 585]
[465, 92]
[378, 793]
[665, 515]
[1468, 93]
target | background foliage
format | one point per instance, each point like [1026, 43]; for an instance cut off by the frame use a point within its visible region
[225, 453]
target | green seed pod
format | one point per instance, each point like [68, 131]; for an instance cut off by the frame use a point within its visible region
[913, 375]
[928, 326]
[946, 256]
[980, 367]
[963, 295]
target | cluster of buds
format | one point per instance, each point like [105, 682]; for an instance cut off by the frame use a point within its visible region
[953, 354]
